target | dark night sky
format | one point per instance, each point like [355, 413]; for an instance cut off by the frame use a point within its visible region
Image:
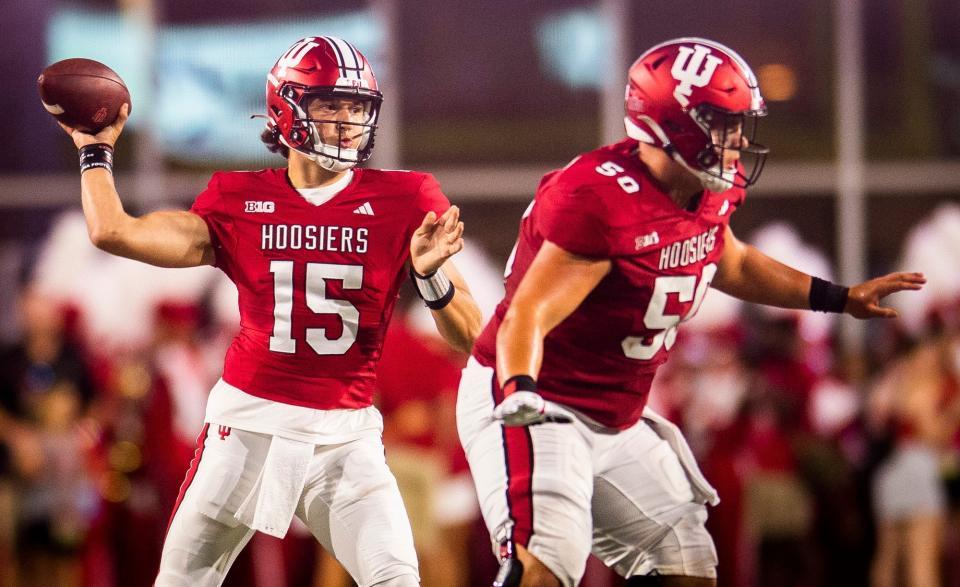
[477, 61]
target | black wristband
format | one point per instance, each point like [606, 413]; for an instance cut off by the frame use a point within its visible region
[96, 155]
[442, 302]
[827, 297]
[519, 383]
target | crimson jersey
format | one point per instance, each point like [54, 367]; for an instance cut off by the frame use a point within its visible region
[602, 358]
[317, 283]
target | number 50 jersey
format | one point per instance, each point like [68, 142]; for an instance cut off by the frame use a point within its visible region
[601, 360]
[317, 283]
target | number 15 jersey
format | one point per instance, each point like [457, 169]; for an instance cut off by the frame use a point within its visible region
[602, 358]
[317, 284]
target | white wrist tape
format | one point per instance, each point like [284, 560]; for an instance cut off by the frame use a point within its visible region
[434, 287]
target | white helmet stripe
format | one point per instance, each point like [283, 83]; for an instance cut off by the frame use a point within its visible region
[356, 59]
[336, 49]
[347, 57]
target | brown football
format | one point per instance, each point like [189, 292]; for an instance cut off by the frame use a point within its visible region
[82, 93]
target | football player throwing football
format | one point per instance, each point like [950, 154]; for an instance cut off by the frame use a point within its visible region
[318, 250]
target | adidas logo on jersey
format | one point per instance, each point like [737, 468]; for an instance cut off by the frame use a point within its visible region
[365, 209]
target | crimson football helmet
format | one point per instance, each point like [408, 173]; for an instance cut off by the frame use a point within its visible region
[692, 97]
[325, 68]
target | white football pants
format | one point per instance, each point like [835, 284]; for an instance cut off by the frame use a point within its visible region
[566, 490]
[350, 502]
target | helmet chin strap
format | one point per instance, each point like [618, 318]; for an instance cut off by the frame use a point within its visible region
[333, 159]
[723, 181]
[718, 181]
[331, 164]
[325, 159]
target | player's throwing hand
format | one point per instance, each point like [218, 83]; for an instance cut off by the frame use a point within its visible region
[108, 135]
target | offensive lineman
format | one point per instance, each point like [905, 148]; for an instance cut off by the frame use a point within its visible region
[615, 251]
[318, 251]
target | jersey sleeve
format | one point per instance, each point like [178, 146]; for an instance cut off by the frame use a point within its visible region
[574, 221]
[209, 205]
[430, 197]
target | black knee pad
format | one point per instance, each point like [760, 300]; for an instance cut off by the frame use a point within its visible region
[511, 570]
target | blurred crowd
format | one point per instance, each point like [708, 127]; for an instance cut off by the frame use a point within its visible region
[833, 468]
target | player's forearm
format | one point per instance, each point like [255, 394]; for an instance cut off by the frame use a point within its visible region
[456, 314]
[459, 322]
[760, 279]
[519, 345]
[106, 219]
[537, 309]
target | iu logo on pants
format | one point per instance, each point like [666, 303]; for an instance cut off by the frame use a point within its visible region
[224, 432]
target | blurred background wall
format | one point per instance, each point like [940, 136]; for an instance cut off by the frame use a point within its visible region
[863, 178]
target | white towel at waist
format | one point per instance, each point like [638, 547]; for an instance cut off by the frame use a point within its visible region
[272, 501]
[702, 490]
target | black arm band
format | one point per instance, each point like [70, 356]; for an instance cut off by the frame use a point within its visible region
[434, 289]
[442, 302]
[96, 155]
[827, 297]
[519, 383]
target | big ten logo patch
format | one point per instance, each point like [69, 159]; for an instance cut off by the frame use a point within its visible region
[253, 206]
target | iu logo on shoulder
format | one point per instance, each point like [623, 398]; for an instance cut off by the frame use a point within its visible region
[690, 70]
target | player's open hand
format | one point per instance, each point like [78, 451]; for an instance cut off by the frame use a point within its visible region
[436, 240]
[863, 300]
[109, 134]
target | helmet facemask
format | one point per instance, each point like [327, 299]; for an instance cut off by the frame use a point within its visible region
[318, 133]
[731, 157]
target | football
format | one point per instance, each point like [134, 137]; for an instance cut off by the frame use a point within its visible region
[82, 93]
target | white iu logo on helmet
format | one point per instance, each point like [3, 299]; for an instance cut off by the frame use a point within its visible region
[295, 54]
[690, 70]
